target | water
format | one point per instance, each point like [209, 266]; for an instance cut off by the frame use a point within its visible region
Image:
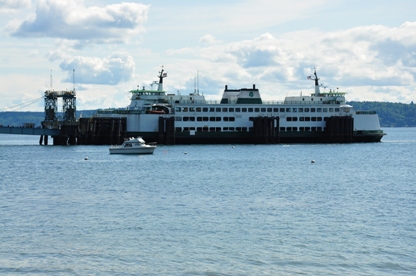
[216, 210]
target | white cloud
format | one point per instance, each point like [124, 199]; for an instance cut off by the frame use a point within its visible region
[70, 19]
[208, 39]
[117, 67]
[10, 5]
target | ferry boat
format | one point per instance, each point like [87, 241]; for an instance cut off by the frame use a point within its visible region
[243, 117]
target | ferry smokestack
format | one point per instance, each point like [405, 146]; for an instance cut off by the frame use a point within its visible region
[226, 87]
[254, 86]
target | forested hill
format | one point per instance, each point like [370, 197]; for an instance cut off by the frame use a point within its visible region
[391, 114]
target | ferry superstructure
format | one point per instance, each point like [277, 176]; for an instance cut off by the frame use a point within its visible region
[243, 117]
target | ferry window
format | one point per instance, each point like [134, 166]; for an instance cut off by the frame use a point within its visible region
[212, 119]
[224, 109]
[312, 109]
[311, 99]
[205, 119]
[313, 128]
[178, 109]
[225, 119]
[319, 110]
[231, 128]
[191, 128]
[178, 129]
[225, 128]
[325, 109]
[211, 109]
[178, 119]
[301, 119]
[295, 119]
[199, 129]
[306, 109]
[300, 109]
[336, 109]
[319, 119]
[199, 119]
[294, 109]
[282, 129]
[269, 109]
[198, 109]
[231, 109]
[275, 109]
[186, 129]
[218, 119]
[205, 109]
[307, 119]
[331, 110]
[185, 109]
[307, 128]
[288, 109]
[192, 119]
[301, 128]
[192, 109]
[313, 119]
[250, 110]
[232, 119]
[185, 119]
[250, 129]
[282, 109]
[263, 109]
[212, 129]
[289, 119]
[238, 128]
[218, 109]
[258, 109]
[237, 109]
[244, 109]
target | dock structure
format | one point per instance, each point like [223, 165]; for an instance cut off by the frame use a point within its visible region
[67, 130]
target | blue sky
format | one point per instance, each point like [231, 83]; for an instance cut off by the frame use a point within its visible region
[364, 48]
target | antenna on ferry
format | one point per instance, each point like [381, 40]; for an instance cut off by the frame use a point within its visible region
[51, 81]
[316, 79]
[162, 75]
[197, 82]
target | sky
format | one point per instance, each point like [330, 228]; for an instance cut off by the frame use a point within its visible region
[106, 48]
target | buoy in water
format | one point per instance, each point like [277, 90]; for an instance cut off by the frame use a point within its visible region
[313, 161]
[86, 158]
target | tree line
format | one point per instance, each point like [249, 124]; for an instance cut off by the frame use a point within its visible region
[390, 114]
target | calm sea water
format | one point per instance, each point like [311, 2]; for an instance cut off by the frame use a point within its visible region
[216, 210]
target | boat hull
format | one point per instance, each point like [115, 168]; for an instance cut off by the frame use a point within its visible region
[250, 138]
[119, 150]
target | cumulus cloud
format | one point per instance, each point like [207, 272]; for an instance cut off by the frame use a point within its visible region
[208, 39]
[8, 5]
[70, 19]
[357, 60]
[117, 67]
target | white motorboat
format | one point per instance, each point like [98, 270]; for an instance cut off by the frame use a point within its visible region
[133, 146]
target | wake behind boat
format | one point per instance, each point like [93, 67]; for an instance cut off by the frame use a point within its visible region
[133, 146]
